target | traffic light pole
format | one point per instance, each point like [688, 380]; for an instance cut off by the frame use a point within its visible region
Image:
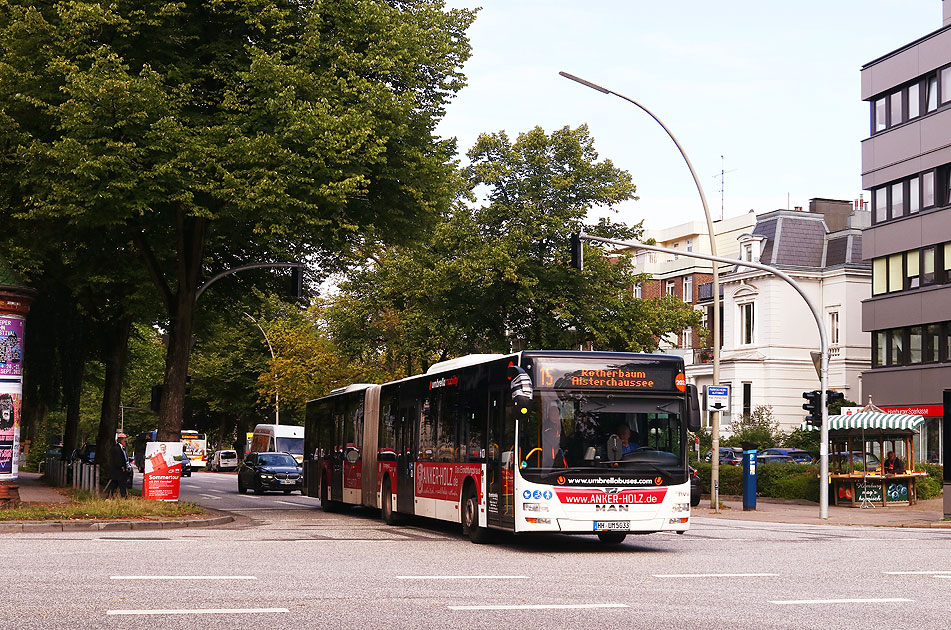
[823, 346]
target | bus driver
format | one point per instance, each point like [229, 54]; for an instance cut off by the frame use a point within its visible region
[552, 454]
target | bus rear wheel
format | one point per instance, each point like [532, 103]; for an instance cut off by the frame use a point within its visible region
[386, 511]
[611, 538]
[470, 517]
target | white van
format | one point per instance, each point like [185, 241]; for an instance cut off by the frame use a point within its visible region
[223, 460]
[280, 438]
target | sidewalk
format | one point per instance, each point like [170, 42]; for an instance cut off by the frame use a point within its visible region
[33, 490]
[923, 514]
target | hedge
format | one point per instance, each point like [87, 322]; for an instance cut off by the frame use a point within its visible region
[800, 481]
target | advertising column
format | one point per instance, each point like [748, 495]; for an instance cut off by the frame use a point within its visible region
[11, 392]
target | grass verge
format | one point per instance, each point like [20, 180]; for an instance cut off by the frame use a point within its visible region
[84, 506]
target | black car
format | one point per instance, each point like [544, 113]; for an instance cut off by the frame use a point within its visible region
[269, 471]
[728, 455]
[695, 488]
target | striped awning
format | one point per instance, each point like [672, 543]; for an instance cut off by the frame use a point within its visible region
[871, 421]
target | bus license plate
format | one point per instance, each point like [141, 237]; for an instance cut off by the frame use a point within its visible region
[607, 526]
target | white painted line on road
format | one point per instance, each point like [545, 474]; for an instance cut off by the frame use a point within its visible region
[935, 573]
[884, 600]
[209, 496]
[540, 607]
[182, 577]
[461, 577]
[713, 575]
[946, 577]
[291, 503]
[199, 611]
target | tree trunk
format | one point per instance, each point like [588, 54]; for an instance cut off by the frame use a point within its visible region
[181, 306]
[114, 352]
[72, 364]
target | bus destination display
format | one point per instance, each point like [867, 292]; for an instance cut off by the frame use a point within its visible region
[622, 377]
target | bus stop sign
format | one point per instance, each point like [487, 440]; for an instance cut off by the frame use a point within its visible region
[717, 398]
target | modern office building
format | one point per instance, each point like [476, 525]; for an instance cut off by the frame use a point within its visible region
[906, 167]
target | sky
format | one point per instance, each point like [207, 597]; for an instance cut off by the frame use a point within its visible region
[766, 91]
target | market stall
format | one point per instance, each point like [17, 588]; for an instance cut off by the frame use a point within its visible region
[859, 472]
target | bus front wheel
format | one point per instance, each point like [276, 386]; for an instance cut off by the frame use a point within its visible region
[470, 517]
[611, 538]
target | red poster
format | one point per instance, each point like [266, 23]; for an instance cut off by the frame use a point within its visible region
[163, 471]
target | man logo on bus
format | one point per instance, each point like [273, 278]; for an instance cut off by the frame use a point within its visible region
[547, 494]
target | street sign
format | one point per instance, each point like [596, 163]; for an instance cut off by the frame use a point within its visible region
[717, 398]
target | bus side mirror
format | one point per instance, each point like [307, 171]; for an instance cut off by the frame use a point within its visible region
[693, 409]
[521, 387]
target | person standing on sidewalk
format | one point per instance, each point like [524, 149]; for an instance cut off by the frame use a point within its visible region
[118, 467]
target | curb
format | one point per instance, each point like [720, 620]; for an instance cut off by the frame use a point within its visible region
[34, 527]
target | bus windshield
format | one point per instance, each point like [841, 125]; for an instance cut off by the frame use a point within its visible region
[598, 431]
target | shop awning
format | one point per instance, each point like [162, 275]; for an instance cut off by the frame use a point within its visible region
[871, 421]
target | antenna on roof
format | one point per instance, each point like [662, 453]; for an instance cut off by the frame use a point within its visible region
[723, 183]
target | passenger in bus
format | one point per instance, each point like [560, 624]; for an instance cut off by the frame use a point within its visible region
[627, 444]
[552, 454]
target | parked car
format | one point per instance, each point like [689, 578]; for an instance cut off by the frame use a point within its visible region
[85, 453]
[269, 471]
[774, 459]
[871, 461]
[799, 455]
[728, 455]
[695, 488]
[223, 460]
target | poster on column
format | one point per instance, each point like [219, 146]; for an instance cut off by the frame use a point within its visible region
[11, 346]
[163, 471]
[10, 399]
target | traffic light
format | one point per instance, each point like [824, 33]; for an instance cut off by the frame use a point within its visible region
[297, 282]
[577, 251]
[833, 397]
[813, 406]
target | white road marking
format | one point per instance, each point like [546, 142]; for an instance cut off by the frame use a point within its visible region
[182, 577]
[290, 503]
[209, 496]
[935, 573]
[945, 577]
[712, 575]
[884, 600]
[199, 611]
[461, 577]
[540, 607]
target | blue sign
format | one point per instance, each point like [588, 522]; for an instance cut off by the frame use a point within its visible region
[716, 390]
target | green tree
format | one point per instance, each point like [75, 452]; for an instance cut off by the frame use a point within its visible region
[210, 134]
[759, 428]
[493, 276]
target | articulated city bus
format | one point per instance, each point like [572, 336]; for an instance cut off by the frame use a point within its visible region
[538, 441]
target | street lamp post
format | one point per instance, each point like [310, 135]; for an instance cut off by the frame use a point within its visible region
[715, 452]
[277, 394]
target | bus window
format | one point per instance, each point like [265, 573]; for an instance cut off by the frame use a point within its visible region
[427, 438]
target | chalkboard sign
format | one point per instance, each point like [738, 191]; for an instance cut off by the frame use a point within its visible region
[872, 492]
[896, 491]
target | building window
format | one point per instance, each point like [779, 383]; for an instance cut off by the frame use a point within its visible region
[895, 114]
[914, 109]
[927, 189]
[671, 285]
[688, 290]
[931, 93]
[895, 273]
[880, 342]
[747, 399]
[927, 266]
[881, 122]
[915, 343]
[914, 193]
[689, 244]
[879, 205]
[932, 343]
[637, 290]
[834, 328]
[912, 272]
[748, 252]
[747, 323]
[896, 355]
[945, 85]
[688, 337]
[897, 206]
[879, 275]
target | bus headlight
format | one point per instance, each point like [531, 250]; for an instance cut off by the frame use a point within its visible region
[680, 507]
[534, 507]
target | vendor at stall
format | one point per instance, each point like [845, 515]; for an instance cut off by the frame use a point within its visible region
[893, 465]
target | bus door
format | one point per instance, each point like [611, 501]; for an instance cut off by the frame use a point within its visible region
[500, 465]
[405, 430]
